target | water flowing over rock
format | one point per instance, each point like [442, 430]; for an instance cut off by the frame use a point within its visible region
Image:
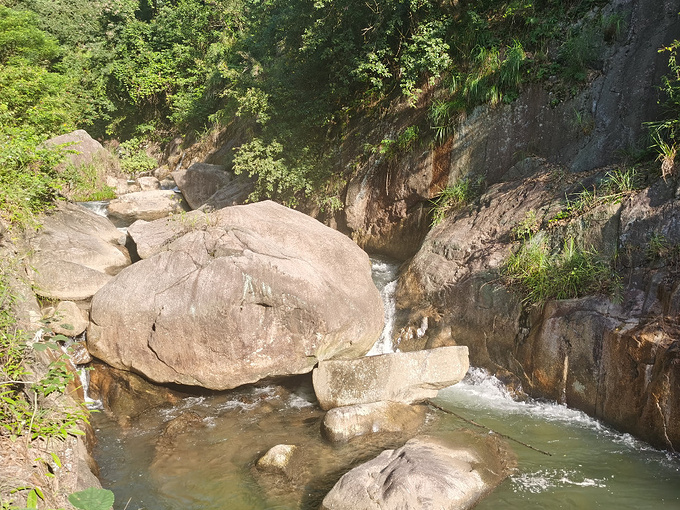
[565, 350]
[398, 377]
[425, 473]
[344, 423]
[257, 291]
[74, 254]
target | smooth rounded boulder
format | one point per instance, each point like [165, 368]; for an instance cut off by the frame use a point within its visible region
[256, 291]
[426, 473]
[74, 254]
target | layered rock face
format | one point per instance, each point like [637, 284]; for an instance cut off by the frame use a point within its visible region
[256, 291]
[583, 352]
[74, 254]
[388, 198]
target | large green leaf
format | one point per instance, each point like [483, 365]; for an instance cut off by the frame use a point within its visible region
[92, 499]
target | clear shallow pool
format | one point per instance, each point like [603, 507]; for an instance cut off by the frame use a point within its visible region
[211, 465]
[591, 465]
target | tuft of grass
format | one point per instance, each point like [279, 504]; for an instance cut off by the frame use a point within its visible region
[454, 197]
[573, 272]
[616, 185]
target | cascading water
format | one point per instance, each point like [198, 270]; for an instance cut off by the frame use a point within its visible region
[590, 466]
[100, 207]
[211, 467]
[385, 279]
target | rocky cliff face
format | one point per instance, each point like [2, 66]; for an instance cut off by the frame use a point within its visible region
[387, 199]
[616, 359]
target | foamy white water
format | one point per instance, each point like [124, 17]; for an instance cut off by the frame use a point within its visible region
[100, 207]
[385, 279]
[590, 466]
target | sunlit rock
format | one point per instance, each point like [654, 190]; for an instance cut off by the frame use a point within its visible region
[344, 423]
[255, 291]
[399, 377]
[74, 254]
[426, 473]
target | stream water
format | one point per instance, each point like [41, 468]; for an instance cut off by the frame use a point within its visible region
[210, 462]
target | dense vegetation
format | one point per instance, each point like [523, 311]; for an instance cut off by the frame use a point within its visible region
[292, 74]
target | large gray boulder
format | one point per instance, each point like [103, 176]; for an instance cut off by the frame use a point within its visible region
[398, 377]
[425, 473]
[258, 290]
[82, 148]
[74, 253]
[145, 205]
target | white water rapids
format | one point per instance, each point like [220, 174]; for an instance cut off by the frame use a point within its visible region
[591, 466]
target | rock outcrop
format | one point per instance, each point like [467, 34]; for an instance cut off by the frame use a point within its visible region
[74, 254]
[426, 473]
[81, 148]
[257, 291]
[405, 377]
[388, 198]
[567, 349]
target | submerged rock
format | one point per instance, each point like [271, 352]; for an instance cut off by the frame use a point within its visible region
[257, 291]
[398, 377]
[277, 459]
[426, 473]
[344, 423]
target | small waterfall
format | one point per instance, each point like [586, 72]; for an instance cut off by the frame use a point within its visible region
[385, 279]
[100, 207]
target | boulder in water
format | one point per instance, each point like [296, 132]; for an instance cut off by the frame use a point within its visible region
[426, 473]
[258, 290]
[344, 423]
[145, 205]
[398, 377]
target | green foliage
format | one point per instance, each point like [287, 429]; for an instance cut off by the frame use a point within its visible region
[616, 184]
[573, 272]
[526, 228]
[92, 499]
[660, 249]
[134, 159]
[454, 197]
[665, 133]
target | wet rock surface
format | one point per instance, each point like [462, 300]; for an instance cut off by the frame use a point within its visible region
[342, 424]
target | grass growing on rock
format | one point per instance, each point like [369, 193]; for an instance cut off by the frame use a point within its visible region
[542, 275]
